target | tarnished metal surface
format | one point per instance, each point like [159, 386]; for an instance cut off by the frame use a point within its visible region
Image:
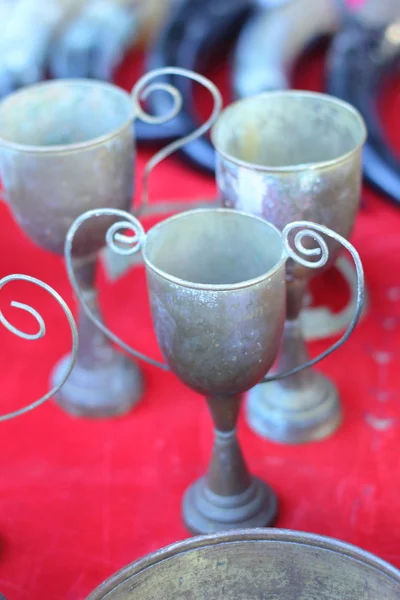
[216, 282]
[287, 156]
[219, 342]
[255, 564]
[67, 146]
[219, 332]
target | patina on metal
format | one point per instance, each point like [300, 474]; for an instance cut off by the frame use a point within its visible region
[285, 156]
[65, 147]
[255, 564]
[38, 335]
[216, 280]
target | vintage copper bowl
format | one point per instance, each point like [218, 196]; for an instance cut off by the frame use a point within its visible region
[255, 564]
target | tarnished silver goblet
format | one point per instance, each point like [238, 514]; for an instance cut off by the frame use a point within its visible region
[65, 147]
[216, 281]
[288, 156]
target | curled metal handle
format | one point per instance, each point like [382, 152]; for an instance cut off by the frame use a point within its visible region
[309, 230]
[143, 89]
[39, 334]
[119, 242]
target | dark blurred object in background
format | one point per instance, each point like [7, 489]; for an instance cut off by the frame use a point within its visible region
[361, 57]
[264, 38]
[270, 38]
[198, 34]
[71, 38]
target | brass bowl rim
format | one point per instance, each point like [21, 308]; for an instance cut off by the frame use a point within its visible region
[287, 169]
[214, 287]
[74, 147]
[245, 535]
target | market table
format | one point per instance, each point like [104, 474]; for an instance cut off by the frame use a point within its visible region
[80, 498]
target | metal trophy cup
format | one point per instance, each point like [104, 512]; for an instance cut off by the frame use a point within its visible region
[65, 147]
[38, 335]
[216, 280]
[288, 156]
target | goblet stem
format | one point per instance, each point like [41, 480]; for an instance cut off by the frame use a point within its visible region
[293, 351]
[228, 497]
[95, 350]
[304, 406]
[104, 382]
[228, 474]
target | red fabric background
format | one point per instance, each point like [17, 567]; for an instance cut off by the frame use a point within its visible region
[79, 499]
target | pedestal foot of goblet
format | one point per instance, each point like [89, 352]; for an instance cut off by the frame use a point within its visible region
[206, 512]
[294, 415]
[107, 391]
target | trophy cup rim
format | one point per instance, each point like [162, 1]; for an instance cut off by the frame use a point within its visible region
[310, 540]
[73, 147]
[213, 287]
[318, 165]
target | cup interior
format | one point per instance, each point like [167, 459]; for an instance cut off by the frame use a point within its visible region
[288, 129]
[213, 247]
[255, 565]
[63, 113]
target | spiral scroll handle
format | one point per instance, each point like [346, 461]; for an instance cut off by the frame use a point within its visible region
[143, 89]
[39, 334]
[310, 230]
[130, 245]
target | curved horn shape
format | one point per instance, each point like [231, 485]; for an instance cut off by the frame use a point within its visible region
[359, 59]
[217, 23]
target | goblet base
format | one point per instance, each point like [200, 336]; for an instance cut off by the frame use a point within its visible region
[293, 415]
[206, 512]
[107, 391]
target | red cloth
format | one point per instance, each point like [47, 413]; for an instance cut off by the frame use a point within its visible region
[79, 499]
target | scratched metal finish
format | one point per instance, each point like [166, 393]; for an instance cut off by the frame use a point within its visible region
[290, 156]
[66, 147]
[252, 564]
[217, 341]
